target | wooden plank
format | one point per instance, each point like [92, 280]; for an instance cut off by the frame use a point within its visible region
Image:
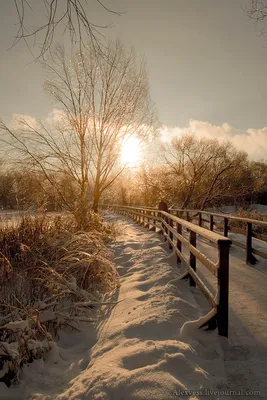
[259, 236]
[239, 244]
[147, 216]
[237, 230]
[154, 221]
[212, 236]
[259, 253]
[171, 231]
[223, 289]
[178, 242]
[178, 252]
[192, 258]
[230, 217]
[211, 223]
[225, 227]
[209, 296]
[201, 257]
[250, 259]
[200, 219]
[207, 293]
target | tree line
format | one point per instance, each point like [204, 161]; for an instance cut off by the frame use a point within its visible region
[189, 172]
[195, 173]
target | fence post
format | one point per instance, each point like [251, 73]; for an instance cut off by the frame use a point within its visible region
[139, 217]
[163, 207]
[193, 242]
[211, 222]
[166, 229]
[250, 259]
[154, 221]
[147, 213]
[179, 243]
[170, 232]
[200, 219]
[223, 288]
[225, 227]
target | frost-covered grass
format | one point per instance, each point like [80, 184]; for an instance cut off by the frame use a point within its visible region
[51, 276]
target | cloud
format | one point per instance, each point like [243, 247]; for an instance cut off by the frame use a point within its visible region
[18, 118]
[55, 116]
[252, 141]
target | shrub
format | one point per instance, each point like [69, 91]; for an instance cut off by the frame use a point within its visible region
[51, 275]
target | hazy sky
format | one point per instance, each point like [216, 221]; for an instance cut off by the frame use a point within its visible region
[205, 60]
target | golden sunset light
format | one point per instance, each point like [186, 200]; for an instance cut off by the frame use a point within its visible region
[133, 199]
[131, 153]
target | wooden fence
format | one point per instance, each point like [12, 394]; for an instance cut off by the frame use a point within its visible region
[181, 233]
[227, 223]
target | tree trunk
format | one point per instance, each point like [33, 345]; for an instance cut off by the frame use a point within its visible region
[95, 203]
[96, 197]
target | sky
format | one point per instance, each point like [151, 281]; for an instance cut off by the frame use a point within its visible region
[207, 65]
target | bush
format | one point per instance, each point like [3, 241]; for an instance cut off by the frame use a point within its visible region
[51, 275]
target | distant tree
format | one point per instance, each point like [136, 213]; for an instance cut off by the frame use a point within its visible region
[204, 171]
[72, 16]
[258, 170]
[7, 198]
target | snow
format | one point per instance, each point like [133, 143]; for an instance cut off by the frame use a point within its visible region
[35, 345]
[17, 325]
[136, 351]
[147, 344]
[190, 327]
[9, 349]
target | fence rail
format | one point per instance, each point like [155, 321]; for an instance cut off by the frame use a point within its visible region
[180, 234]
[230, 224]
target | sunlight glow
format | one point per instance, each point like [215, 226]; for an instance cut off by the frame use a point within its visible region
[131, 152]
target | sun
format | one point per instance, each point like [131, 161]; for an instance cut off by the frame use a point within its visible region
[131, 152]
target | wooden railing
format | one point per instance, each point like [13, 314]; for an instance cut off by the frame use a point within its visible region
[228, 223]
[183, 234]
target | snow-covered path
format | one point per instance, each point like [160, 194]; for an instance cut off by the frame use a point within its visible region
[136, 352]
[140, 353]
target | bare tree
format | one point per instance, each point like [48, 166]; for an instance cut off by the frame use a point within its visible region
[103, 101]
[257, 11]
[71, 15]
[202, 171]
